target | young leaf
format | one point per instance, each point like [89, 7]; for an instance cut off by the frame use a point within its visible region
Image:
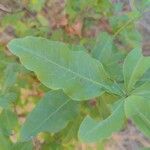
[134, 67]
[51, 114]
[91, 130]
[138, 109]
[80, 76]
[103, 48]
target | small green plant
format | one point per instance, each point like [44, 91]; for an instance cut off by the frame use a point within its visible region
[120, 89]
[81, 82]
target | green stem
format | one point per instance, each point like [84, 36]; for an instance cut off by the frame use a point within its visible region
[123, 27]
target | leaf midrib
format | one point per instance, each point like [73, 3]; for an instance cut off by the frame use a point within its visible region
[132, 74]
[99, 124]
[142, 116]
[46, 119]
[64, 68]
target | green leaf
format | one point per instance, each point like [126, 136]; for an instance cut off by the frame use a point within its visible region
[142, 5]
[146, 77]
[135, 65]
[43, 21]
[118, 21]
[51, 114]
[11, 19]
[80, 76]
[71, 131]
[10, 75]
[103, 108]
[114, 66]
[91, 130]
[137, 108]
[143, 90]
[118, 7]
[22, 146]
[103, 48]
[130, 37]
[107, 53]
[8, 121]
[36, 5]
[7, 99]
[5, 143]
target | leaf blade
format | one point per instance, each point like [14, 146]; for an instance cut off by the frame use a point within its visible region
[103, 48]
[8, 121]
[143, 90]
[137, 108]
[59, 68]
[91, 130]
[54, 112]
[135, 65]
